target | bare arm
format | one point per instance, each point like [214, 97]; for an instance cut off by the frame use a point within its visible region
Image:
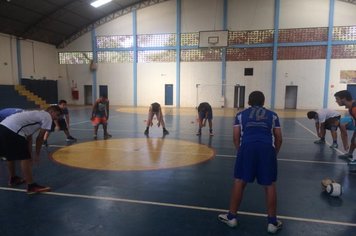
[39, 142]
[277, 133]
[237, 136]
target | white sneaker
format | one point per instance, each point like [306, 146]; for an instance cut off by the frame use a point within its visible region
[223, 218]
[272, 229]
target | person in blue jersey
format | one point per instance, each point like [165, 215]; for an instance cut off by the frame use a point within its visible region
[257, 137]
[16, 133]
[100, 115]
[9, 111]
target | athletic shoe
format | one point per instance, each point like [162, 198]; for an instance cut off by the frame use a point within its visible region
[352, 166]
[45, 143]
[14, 181]
[320, 141]
[165, 132]
[334, 145]
[71, 139]
[35, 188]
[146, 132]
[272, 229]
[346, 156]
[107, 136]
[211, 133]
[223, 218]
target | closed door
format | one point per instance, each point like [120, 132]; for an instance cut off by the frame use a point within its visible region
[103, 91]
[239, 97]
[168, 97]
[291, 97]
[88, 95]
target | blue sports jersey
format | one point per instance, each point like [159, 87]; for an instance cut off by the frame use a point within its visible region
[257, 124]
[9, 111]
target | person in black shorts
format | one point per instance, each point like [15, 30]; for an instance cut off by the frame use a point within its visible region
[16, 133]
[61, 124]
[155, 110]
[205, 113]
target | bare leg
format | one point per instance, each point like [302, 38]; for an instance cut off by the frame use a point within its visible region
[27, 170]
[236, 195]
[11, 168]
[271, 198]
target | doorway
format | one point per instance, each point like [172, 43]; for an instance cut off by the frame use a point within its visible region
[88, 95]
[291, 97]
[239, 96]
[168, 94]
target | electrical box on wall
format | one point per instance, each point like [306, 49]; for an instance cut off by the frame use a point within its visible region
[248, 72]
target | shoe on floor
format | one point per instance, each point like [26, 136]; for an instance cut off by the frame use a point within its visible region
[15, 181]
[346, 156]
[211, 134]
[272, 229]
[107, 136]
[334, 145]
[71, 139]
[35, 188]
[319, 141]
[223, 218]
[198, 133]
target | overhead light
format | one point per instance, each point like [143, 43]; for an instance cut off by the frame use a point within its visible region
[99, 3]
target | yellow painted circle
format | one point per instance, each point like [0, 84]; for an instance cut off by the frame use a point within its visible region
[133, 154]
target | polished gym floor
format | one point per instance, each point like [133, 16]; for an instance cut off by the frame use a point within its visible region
[175, 184]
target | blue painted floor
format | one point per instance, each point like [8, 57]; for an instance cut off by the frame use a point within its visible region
[184, 200]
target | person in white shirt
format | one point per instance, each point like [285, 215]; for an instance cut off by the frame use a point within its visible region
[16, 133]
[325, 119]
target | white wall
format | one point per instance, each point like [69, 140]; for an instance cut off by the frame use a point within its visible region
[201, 15]
[8, 62]
[208, 75]
[250, 14]
[303, 13]
[152, 78]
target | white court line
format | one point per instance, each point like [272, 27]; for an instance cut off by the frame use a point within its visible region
[184, 207]
[294, 160]
[310, 131]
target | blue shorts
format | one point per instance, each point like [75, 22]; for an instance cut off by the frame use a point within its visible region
[202, 115]
[256, 161]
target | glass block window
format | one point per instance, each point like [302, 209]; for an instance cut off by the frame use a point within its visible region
[156, 40]
[157, 56]
[249, 54]
[298, 53]
[115, 57]
[189, 39]
[114, 41]
[344, 51]
[75, 57]
[344, 33]
[213, 54]
[250, 37]
[303, 35]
